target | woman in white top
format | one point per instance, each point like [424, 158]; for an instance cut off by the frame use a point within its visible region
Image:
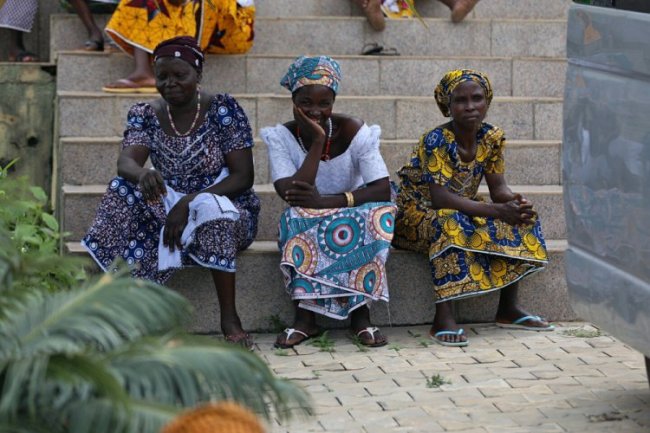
[336, 234]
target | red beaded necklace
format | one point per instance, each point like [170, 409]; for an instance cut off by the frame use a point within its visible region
[326, 152]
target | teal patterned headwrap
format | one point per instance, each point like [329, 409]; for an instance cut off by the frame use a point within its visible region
[305, 71]
[452, 79]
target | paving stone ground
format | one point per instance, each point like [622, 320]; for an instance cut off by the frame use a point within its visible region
[575, 379]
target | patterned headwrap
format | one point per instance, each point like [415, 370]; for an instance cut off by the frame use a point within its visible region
[452, 79]
[181, 47]
[225, 417]
[312, 70]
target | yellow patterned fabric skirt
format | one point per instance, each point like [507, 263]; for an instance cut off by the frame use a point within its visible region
[220, 26]
[468, 255]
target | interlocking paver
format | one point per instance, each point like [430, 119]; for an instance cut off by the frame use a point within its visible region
[504, 381]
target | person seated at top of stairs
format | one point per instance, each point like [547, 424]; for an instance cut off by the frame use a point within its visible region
[336, 235]
[18, 17]
[373, 10]
[223, 27]
[473, 247]
[196, 207]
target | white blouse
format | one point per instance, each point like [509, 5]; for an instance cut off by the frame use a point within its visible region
[359, 165]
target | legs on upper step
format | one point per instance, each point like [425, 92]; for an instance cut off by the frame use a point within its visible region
[459, 8]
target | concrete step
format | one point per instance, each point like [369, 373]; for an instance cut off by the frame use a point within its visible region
[347, 35]
[259, 277]
[363, 75]
[91, 160]
[79, 204]
[98, 114]
[499, 9]
[333, 35]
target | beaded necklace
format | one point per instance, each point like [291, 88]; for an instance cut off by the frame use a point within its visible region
[196, 117]
[326, 152]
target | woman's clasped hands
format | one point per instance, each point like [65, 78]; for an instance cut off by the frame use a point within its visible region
[518, 211]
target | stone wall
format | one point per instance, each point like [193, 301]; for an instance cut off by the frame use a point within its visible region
[27, 95]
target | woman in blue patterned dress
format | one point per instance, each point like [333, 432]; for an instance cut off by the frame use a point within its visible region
[196, 207]
[336, 235]
[474, 247]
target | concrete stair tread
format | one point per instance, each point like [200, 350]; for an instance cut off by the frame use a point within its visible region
[140, 96]
[401, 141]
[494, 8]
[91, 160]
[261, 247]
[289, 57]
[333, 34]
[363, 75]
[268, 188]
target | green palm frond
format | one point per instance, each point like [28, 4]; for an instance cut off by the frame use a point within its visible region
[111, 355]
[106, 314]
[201, 369]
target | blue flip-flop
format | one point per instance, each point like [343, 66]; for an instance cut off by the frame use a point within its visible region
[435, 338]
[519, 324]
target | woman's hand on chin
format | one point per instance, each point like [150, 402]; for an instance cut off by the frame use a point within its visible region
[308, 126]
[303, 194]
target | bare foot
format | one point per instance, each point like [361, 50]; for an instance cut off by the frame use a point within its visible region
[445, 330]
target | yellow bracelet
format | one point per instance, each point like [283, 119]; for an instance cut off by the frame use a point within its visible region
[350, 198]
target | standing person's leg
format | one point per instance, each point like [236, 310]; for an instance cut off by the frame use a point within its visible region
[95, 40]
[372, 10]
[18, 16]
[231, 326]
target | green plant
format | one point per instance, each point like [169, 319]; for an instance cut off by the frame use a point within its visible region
[108, 355]
[281, 352]
[395, 347]
[30, 240]
[356, 340]
[277, 324]
[436, 381]
[323, 342]
[424, 343]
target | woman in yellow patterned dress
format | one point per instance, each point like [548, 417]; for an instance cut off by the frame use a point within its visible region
[138, 26]
[474, 247]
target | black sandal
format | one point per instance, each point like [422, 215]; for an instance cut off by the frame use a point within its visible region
[374, 49]
[94, 45]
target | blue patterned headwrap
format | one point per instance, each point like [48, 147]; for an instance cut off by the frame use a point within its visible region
[305, 71]
[452, 79]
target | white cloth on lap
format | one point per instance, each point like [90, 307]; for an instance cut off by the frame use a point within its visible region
[203, 208]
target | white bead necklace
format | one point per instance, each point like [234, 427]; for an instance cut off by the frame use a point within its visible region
[196, 117]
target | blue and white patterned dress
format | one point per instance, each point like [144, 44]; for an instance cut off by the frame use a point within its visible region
[127, 227]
